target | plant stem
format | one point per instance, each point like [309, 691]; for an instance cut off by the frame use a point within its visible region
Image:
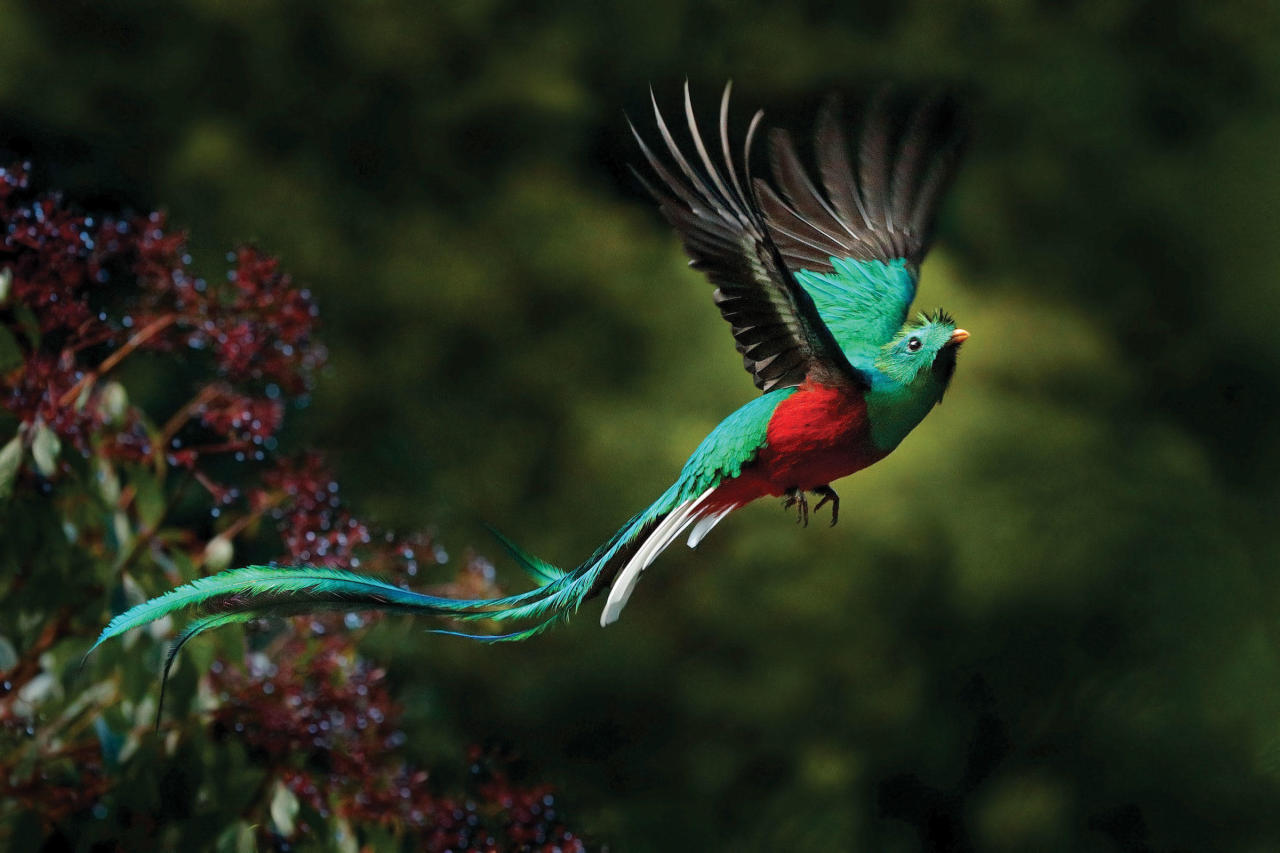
[28, 666]
[143, 335]
[183, 414]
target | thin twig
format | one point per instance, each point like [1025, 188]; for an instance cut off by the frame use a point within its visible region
[236, 528]
[183, 414]
[143, 335]
[28, 666]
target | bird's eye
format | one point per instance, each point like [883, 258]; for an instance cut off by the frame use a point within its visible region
[914, 344]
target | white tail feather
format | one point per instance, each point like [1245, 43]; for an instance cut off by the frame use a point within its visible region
[654, 544]
[704, 525]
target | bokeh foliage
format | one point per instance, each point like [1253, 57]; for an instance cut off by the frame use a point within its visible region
[298, 740]
[1048, 621]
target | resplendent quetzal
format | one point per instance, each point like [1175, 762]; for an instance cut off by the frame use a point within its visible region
[816, 284]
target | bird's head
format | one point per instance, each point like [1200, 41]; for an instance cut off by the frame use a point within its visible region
[924, 351]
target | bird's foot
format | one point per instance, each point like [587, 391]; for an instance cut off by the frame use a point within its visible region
[828, 494]
[795, 497]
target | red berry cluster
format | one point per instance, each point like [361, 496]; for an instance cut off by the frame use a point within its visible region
[265, 332]
[80, 293]
[34, 392]
[314, 525]
[130, 440]
[69, 781]
[324, 721]
[529, 817]
[239, 417]
[52, 254]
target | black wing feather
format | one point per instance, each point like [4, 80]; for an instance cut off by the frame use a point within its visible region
[775, 325]
[884, 211]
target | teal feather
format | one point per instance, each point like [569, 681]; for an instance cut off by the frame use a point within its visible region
[538, 569]
[907, 383]
[264, 591]
[732, 444]
[863, 302]
[512, 637]
[240, 595]
[199, 626]
[260, 588]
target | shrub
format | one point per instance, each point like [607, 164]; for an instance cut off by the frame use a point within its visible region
[110, 492]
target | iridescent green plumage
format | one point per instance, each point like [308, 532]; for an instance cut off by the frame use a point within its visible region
[863, 303]
[253, 592]
[816, 286]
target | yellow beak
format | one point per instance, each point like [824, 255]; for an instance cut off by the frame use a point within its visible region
[958, 337]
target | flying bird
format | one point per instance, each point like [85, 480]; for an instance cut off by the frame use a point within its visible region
[815, 280]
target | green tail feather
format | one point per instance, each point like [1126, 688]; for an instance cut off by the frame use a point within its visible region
[247, 593]
[240, 595]
[538, 569]
[199, 626]
[259, 590]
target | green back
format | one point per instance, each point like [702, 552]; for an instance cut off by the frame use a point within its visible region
[732, 444]
[863, 303]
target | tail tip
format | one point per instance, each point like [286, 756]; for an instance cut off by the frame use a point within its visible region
[612, 610]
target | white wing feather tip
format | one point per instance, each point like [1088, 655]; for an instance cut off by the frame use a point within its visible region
[706, 523]
[654, 544]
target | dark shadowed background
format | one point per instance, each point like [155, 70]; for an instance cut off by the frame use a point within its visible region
[1048, 621]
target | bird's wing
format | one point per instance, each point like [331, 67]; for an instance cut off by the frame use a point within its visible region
[775, 324]
[856, 244]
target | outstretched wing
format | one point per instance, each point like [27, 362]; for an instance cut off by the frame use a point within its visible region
[856, 245]
[775, 324]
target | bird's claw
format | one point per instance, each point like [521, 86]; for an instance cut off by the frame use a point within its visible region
[795, 497]
[828, 494]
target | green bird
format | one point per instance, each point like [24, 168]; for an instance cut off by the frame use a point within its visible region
[816, 285]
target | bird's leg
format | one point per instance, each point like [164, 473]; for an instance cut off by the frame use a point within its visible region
[795, 497]
[828, 494]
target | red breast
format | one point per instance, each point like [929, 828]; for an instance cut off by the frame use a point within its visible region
[817, 435]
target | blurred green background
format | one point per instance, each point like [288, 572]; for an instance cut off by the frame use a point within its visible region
[1047, 622]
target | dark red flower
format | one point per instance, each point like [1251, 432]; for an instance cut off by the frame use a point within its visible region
[87, 291]
[242, 418]
[312, 521]
[265, 330]
[34, 395]
[323, 719]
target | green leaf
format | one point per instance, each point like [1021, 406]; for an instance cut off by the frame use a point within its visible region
[345, 837]
[149, 498]
[218, 553]
[8, 655]
[45, 448]
[108, 482]
[121, 533]
[29, 322]
[113, 403]
[10, 352]
[182, 565]
[10, 463]
[40, 690]
[284, 809]
[237, 838]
